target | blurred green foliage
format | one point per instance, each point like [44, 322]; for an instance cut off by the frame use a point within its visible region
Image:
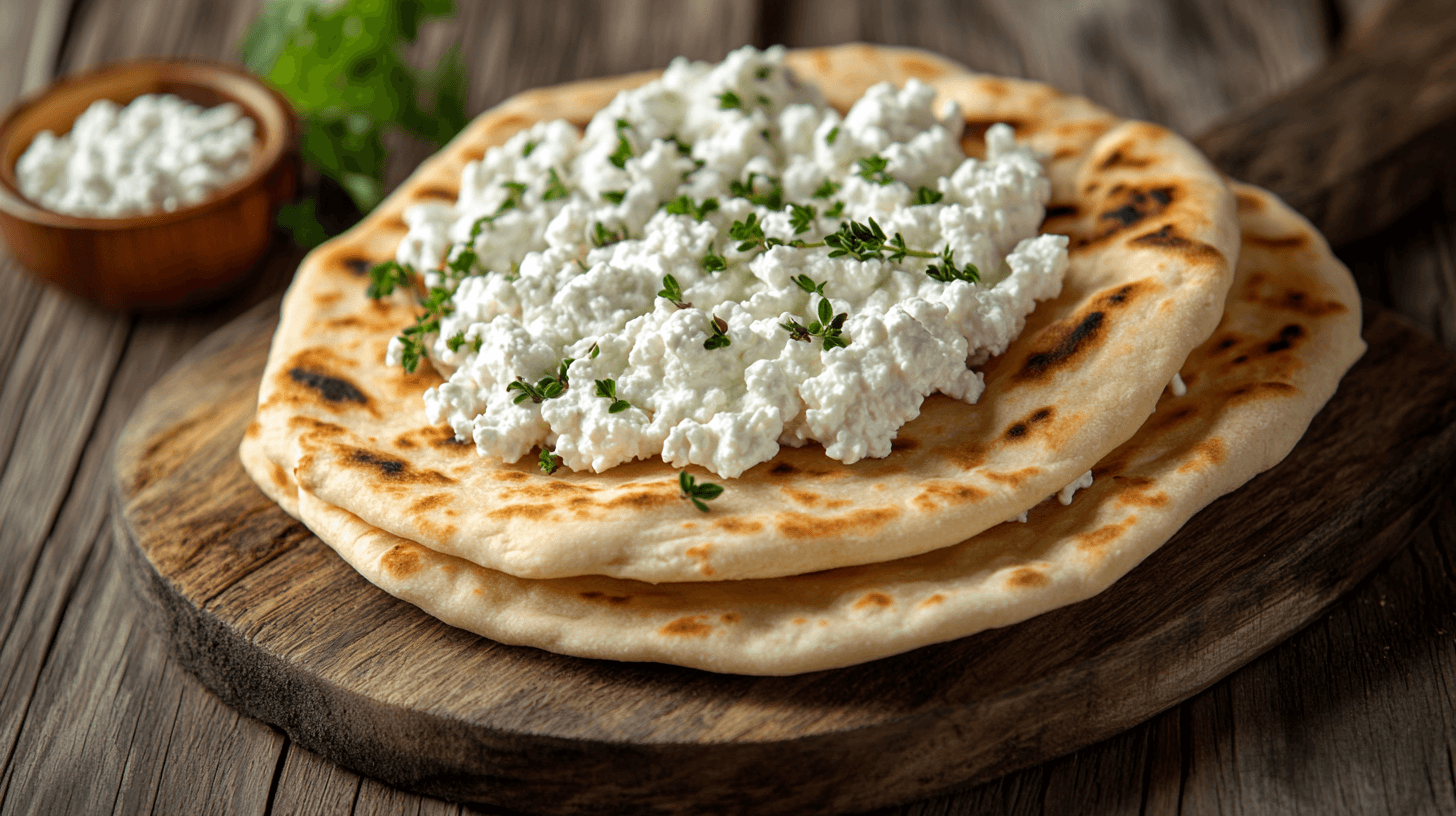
[342, 65]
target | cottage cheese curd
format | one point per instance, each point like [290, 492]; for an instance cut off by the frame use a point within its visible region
[741, 140]
[160, 152]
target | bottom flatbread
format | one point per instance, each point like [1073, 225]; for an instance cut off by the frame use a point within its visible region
[1290, 330]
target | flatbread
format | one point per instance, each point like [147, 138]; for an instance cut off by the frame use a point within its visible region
[1154, 237]
[1289, 332]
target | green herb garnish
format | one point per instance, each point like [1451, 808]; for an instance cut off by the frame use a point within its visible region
[601, 236]
[614, 196]
[946, 270]
[801, 218]
[384, 277]
[554, 188]
[607, 389]
[925, 195]
[829, 327]
[827, 189]
[764, 72]
[835, 211]
[872, 168]
[528, 148]
[808, 285]
[684, 205]
[548, 461]
[548, 387]
[713, 262]
[729, 100]
[697, 493]
[717, 334]
[773, 199]
[672, 292]
[832, 135]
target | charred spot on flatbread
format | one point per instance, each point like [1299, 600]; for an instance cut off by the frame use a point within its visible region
[859, 522]
[391, 469]
[333, 388]
[1019, 429]
[1126, 207]
[438, 194]
[1167, 237]
[1066, 341]
[615, 600]
[1121, 156]
[357, 265]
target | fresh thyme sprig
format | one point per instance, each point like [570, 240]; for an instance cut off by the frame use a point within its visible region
[802, 217]
[829, 327]
[623, 152]
[925, 195]
[868, 242]
[728, 100]
[548, 461]
[607, 389]
[808, 285]
[614, 196]
[946, 271]
[827, 189]
[548, 387]
[717, 334]
[773, 199]
[554, 188]
[713, 262]
[385, 277]
[872, 168]
[528, 148]
[672, 292]
[832, 135]
[458, 339]
[684, 205]
[836, 210]
[698, 493]
[601, 236]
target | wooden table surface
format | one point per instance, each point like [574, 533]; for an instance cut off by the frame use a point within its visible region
[1356, 714]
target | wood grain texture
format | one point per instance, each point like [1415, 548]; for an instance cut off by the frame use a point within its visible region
[1368, 138]
[271, 620]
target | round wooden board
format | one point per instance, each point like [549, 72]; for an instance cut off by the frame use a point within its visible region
[270, 619]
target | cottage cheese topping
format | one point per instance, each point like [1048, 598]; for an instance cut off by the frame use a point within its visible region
[158, 153]
[553, 282]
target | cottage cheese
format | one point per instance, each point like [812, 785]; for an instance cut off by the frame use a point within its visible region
[543, 289]
[158, 153]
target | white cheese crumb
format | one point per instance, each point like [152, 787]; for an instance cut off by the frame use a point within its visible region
[1082, 483]
[546, 289]
[1179, 389]
[160, 152]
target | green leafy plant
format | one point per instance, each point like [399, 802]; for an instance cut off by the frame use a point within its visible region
[342, 66]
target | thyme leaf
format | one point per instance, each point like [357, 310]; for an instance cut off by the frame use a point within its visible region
[696, 492]
[717, 334]
[548, 461]
[607, 389]
[872, 168]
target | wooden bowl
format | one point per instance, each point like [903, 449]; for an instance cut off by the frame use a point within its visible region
[164, 259]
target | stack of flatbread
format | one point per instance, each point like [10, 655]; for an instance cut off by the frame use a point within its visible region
[805, 563]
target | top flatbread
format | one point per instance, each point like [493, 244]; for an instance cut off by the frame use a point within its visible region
[1290, 330]
[1153, 242]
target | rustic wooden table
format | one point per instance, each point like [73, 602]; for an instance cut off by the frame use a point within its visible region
[1354, 714]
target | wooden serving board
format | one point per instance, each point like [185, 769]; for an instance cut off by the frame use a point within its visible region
[279, 627]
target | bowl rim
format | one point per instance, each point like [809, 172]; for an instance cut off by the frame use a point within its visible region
[279, 136]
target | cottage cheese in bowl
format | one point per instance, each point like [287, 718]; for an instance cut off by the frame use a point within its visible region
[722, 264]
[157, 154]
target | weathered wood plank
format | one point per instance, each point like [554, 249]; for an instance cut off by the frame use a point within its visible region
[1182, 64]
[1366, 140]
